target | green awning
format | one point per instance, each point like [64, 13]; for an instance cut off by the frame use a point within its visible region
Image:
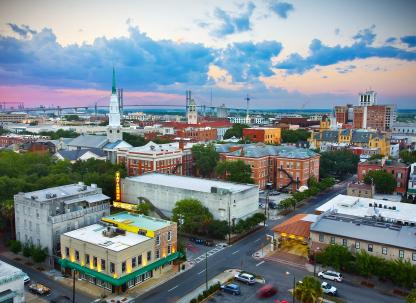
[119, 281]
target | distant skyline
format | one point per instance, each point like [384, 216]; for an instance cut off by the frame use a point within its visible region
[284, 54]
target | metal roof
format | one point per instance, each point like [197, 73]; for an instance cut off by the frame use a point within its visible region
[91, 141]
[73, 155]
[263, 150]
[138, 220]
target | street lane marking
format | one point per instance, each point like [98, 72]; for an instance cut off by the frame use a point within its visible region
[209, 254]
[201, 272]
[173, 288]
[258, 264]
[258, 240]
[235, 252]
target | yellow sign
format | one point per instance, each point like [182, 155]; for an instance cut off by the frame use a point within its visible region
[118, 191]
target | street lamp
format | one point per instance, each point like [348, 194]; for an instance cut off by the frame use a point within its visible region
[294, 282]
[314, 261]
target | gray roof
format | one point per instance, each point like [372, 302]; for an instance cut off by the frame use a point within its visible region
[367, 230]
[73, 155]
[329, 136]
[89, 141]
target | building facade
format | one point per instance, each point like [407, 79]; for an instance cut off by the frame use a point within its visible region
[360, 190]
[411, 186]
[122, 251]
[12, 288]
[267, 135]
[399, 170]
[13, 117]
[42, 216]
[377, 117]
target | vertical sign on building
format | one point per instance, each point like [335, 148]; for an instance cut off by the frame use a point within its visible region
[118, 191]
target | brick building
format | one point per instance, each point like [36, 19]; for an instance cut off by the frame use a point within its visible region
[399, 170]
[343, 114]
[286, 167]
[379, 117]
[267, 135]
[171, 158]
[302, 122]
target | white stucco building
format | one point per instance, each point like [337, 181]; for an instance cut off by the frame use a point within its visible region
[11, 284]
[223, 199]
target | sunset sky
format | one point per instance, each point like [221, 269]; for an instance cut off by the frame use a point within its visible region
[284, 54]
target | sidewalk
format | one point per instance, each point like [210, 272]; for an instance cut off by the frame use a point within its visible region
[221, 278]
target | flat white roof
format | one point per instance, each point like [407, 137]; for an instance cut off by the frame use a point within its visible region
[7, 270]
[360, 207]
[190, 183]
[93, 234]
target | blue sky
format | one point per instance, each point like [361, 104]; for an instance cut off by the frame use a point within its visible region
[283, 53]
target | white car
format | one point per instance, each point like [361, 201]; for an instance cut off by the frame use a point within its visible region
[330, 275]
[329, 289]
[26, 278]
[246, 278]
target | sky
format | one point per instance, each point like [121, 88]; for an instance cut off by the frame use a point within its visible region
[283, 54]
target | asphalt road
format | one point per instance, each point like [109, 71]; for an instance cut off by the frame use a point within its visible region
[239, 256]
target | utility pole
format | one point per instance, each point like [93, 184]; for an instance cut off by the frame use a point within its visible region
[206, 271]
[73, 286]
[229, 221]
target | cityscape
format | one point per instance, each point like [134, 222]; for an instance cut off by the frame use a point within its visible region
[186, 152]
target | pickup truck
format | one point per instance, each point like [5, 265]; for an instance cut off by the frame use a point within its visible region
[39, 289]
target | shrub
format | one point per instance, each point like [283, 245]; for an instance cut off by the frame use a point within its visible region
[39, 254]
[200, 298]
[193, 301]
[15, 246]
[27, 250]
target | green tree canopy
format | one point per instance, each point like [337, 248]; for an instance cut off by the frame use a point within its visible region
[336, 256]
[338, 164]
[383, 181]
[134, 140]
[294, 136]
[60, 133]
[235, 171]
[72, 118]
[309, 291]
[408, 157]
[411, 298]
[235, 131]
[196, 217]
[206, 158]
[143, 208]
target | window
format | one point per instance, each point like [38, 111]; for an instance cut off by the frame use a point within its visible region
[157, 254]
[139, 260]
[87, 259]
[102, 264]
[123, 266]
[384, 250]
[169, 235]
[94, 261]
[332, 240]
[133, 262]
[77, 255]
[370, 247]
[414, 256]
[158, 240]
[169, 249]
[321, 238]
[401, 254]
[149, 255]
[357, 245]
[344, 242]
[66, 251]
[112, 267]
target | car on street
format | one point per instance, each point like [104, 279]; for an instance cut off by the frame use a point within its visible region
[197, 240]
[61, 299]
[266, 291]
[245, 278]
[331, 275]
[231, 288]
[26, 278]
[329, 289]
[272, 205]
[209, 243]
[39, 289]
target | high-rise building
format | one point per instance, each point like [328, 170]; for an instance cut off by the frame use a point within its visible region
[344, 114]
[378, 117]
[114, 132]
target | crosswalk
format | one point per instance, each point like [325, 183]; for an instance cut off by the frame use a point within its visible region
[209, 254]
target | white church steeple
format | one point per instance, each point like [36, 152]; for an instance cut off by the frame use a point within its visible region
[114, 128]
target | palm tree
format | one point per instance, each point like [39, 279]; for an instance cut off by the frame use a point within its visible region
[309, 291]
[7, 210]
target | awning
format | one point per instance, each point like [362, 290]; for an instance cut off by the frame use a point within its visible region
[119, 281]
[6, 295]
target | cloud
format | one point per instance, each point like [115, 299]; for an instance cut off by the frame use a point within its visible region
[281, 9]
[337, 31]
[246, 61]
[409, 40]
[22, 30]
[345, 69]
[230, 24]
[323, 55]
[391, 40]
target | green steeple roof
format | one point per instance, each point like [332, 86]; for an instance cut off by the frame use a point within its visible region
[113, 88]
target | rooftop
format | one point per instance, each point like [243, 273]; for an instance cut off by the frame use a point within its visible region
[360, 207]
[73, 155]
[190, 183]
[298, 225]
[65, 191]
[388, 162]
[7, 270]
[360, 186]
[367, 230]
[152, 147]
[93, 234]
[89, 141]
[140, 221]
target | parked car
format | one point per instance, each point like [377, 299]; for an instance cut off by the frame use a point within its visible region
[222, 244]
[209, 243]
[231, 288]
[39, 289]
[266, 291]
[272, 205]
[197, 240]
[61, 299]
[329, 289]
[245, 277]
[26, 278]
[331, 275]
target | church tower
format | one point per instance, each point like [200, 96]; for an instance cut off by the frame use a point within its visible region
[192, 114]
[114, 132]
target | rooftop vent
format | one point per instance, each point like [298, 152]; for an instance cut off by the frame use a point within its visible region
[50, 196]
[112, 231]
[33, 197]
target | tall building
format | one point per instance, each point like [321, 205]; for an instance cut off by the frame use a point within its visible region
[192, 113]
[114, 132]
[378, 117]
[367, 98]
[344, 114]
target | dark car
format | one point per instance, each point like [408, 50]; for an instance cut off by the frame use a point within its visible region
[267, 291]
[209, 243]
[231, 288]
[272, 205]
[197, 240]
[61, 299]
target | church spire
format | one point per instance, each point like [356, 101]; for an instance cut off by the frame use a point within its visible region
[113, 88]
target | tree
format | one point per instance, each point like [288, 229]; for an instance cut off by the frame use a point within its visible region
[218, 229]
[235, 131]
[196, 217]
[235, 171]
[206, 158]
[134, 140]
[15, 246]
[309, 291]
[338, 164]
[383, 181]
[411, 298]
[294, 136]
[7, 210]
[408, 157]
[376, 157]
[72, 118]
[336, 256]
[39, 254]
[60, 133]
[143, 208]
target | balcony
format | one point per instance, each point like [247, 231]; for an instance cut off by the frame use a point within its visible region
[78, 213]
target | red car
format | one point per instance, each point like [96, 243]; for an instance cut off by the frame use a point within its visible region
[267, 291]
